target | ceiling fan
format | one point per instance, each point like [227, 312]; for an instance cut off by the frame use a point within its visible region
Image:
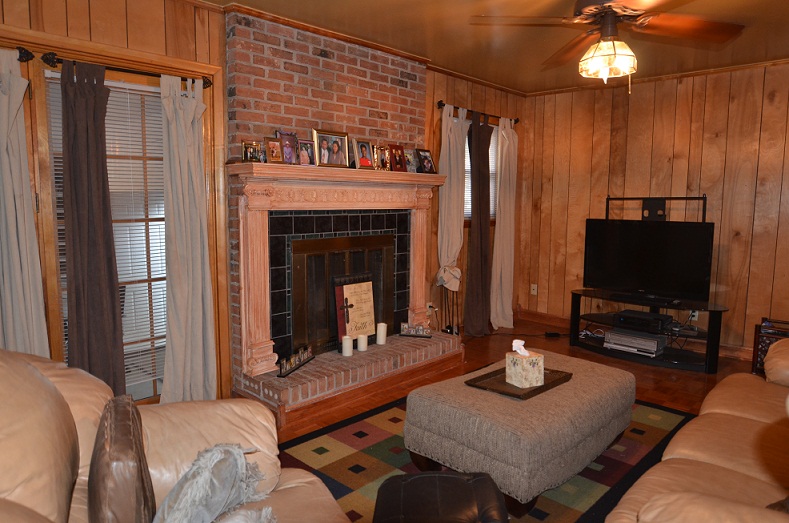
[600, 21]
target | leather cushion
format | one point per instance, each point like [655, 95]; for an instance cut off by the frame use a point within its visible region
[10, 511]
[202, 424]
[435, 497]
[119, 485]
[678, 475]
[748, 446]
[747, 396]
[86, 396]
[39, 452]
[690, 507]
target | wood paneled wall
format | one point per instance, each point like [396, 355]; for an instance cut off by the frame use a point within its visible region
[178, 37]
[183, 29]
[721, 134]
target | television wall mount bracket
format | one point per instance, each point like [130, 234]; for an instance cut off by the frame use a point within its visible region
[654, 208]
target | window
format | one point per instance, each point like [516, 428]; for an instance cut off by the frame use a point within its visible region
[493, 163]
[136, 178]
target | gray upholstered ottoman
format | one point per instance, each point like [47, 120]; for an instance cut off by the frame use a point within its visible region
[527, 446]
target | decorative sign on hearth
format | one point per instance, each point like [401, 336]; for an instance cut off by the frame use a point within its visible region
[355, 307]
[301, 356]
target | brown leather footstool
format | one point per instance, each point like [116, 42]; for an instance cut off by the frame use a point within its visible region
[436, 497]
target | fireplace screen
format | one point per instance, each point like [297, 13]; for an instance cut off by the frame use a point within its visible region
[317, 263]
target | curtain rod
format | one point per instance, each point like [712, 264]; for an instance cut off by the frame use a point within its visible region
[52, 60]
[442, 103]
[24, 54]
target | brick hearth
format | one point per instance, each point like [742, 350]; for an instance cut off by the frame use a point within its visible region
[330, 374]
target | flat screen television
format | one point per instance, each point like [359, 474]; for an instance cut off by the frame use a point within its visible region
[662, 261]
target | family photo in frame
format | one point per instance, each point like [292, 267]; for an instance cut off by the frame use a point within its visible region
[381, 158]
[363, 151]
[306, 152]
[331, 148]
[273, 150]
[425, 162]
[397, 158]
[290, 147]
[250, 152]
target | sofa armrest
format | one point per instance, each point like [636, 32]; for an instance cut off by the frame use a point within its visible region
[174, 433]
[690, 507]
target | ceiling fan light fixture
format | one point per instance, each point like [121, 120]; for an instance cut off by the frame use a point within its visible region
[608, 58]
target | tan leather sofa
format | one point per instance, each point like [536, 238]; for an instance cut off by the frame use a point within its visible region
[727, 464]
[49, 416]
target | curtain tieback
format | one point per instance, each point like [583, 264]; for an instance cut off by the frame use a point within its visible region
[449, 277]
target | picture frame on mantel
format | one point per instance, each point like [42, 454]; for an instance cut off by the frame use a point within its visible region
[306, 152]
[331, 148]
[363, 150]
[425, 163]
[273, 150]
[410, 160]
[381, 158]
[250, 152]
[397, 158]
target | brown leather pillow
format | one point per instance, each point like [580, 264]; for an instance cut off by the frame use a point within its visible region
[119, 485]
[780, 506]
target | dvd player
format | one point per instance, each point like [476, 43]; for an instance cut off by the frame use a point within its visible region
[634, 350]
[642, 321]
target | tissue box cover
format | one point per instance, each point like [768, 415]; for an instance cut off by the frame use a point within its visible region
[525, 371]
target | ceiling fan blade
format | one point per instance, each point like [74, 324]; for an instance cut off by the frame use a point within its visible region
[537, 21]
[630, 7]
[683, 26]
[646, 5]
[573, 49]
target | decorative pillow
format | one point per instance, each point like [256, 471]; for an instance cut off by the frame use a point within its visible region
[776, 363]
[780, 506]
[119, 484]
[219, 480]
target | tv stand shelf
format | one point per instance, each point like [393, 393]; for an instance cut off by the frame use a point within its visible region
[672, 357]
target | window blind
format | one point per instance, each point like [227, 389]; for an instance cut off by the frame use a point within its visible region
[492, 163]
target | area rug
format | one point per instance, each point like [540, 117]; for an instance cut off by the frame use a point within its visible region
[355, 456]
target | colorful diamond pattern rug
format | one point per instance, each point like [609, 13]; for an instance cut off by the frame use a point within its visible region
[355, 456]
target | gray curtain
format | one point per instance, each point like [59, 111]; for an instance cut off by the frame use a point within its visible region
[503, 265]
[452, 163]
[476, 312]
[190, 358]
[22, 317]
[95, 331]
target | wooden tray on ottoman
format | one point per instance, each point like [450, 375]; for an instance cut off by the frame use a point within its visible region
[496, 381]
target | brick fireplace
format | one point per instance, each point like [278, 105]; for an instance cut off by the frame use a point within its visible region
[260, 189]
[292, 79]
[257, 191]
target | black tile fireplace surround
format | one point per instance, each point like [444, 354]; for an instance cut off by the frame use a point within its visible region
[287, 226]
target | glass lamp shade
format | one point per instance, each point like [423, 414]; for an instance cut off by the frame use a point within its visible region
[608, 59]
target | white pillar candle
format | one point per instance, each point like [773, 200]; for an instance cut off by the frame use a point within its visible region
[380, 334]
[361, 342]
[347, 346]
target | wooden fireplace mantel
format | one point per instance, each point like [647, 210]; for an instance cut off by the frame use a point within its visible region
[269, 187]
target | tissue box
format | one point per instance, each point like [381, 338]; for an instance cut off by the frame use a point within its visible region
[525, 371]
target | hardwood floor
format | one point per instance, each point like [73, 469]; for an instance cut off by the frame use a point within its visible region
[677, 389]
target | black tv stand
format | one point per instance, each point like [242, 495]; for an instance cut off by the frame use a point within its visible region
[671, 357]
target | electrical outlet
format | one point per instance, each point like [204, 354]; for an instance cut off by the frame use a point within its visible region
[534, 289]
[694, 315]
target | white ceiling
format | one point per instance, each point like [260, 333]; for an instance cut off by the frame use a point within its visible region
[511, 56]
